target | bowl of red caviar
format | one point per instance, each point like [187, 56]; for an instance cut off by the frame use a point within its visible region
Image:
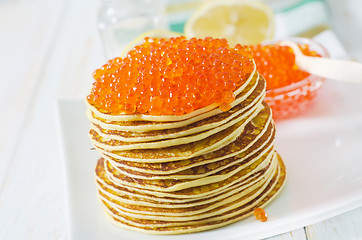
[289, 90]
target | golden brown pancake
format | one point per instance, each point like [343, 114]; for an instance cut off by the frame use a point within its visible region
[230, 215]
[189, 173]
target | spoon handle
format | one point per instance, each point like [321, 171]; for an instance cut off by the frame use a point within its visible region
[331, 68]
[341, 70]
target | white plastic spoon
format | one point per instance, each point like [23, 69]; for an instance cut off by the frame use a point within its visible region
[340, 70]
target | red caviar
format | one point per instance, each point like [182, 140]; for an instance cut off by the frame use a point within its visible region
[260, 214]
[277, 64]
[289, 89]
[171, 77]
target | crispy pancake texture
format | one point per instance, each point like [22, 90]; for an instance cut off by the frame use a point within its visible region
[190, 173]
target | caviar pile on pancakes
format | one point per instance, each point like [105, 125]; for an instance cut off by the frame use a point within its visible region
[185, 138]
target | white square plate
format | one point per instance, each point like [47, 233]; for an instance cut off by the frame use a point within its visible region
[322, 150]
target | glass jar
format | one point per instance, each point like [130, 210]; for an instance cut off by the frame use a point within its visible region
[121, 21]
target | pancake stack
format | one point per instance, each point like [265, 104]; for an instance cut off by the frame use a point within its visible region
[168, 174]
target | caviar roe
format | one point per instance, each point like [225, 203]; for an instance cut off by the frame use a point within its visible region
[260, 214]
[171, 77]
[277, 64]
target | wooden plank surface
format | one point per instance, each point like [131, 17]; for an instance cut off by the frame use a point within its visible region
[30, 183]
[48, 50]
[346, 226]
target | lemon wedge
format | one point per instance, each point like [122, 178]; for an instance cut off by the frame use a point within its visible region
[152, 34]
[239, 21]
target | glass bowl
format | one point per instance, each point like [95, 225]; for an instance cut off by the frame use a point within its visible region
[290, 100]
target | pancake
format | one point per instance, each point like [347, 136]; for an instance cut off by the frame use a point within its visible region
[195, 196]
[164, 227]
[171, 185]
[168, 118]
[184, 150]
[139, 199]
[191, 133]
[173, 174]
[253, 138]
[219, 120]
[209, 167]
[116, 145]
[253, 92]
[192, 209]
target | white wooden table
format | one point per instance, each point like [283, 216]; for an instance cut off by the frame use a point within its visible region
[48, 50]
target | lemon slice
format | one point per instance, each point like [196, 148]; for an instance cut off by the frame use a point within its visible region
[152, 34]
[239, 21]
